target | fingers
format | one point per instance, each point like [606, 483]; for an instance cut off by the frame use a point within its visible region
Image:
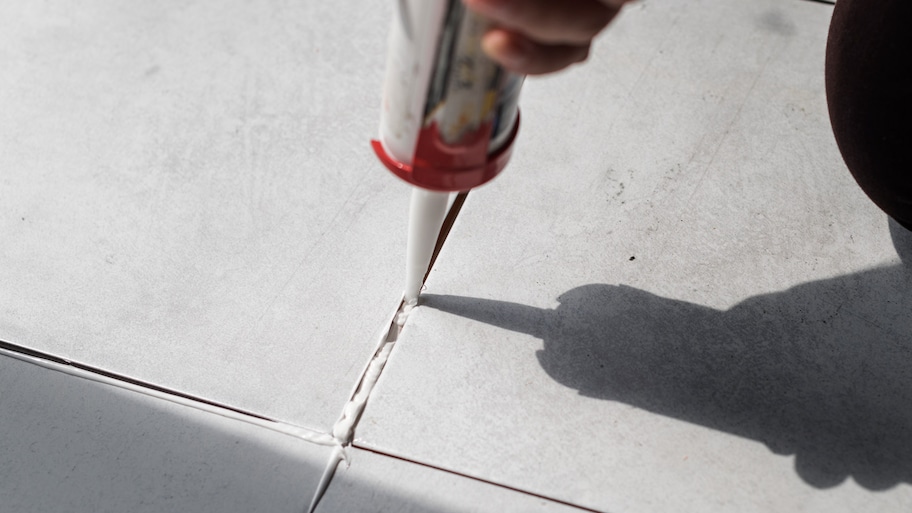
[534, 37]
[563, 22]
[521, 55]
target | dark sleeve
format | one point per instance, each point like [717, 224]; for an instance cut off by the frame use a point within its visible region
[869, 94]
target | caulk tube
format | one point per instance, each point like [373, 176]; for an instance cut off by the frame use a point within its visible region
[448, 119]
[449, 114]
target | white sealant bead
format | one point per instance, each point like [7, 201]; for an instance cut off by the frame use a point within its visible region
[343, 430]
[403, 314]
[338, 454]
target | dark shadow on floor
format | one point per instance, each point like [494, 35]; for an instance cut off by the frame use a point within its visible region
[822, 370]
[78, 446]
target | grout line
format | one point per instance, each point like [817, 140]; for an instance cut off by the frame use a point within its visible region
[103, 377]
[473, 478]
[344, 428]
[343, 431]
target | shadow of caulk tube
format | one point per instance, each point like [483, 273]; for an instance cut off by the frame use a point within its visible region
[822, 370]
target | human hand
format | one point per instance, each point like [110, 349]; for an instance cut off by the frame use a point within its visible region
[534, 37]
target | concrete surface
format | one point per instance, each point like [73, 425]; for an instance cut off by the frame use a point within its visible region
[674, 299]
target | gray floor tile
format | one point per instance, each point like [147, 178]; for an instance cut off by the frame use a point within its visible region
[676, 298]
[75, 445]
[189, 197]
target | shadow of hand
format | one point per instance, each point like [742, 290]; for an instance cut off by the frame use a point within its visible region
[822, 370]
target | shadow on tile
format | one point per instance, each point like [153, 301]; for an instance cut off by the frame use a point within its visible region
[69, 444]
[822, 370]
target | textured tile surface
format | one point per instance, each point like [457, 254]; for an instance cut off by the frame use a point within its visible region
[189, 198]
[675, 299]
[79, 446]
[379, 483]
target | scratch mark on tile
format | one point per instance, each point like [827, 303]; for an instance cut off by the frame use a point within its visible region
[635, 86]
[669, 36]
[728, 129]
[306, 256]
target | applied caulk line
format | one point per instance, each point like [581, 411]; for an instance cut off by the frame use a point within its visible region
[434, 221]
[343, 431]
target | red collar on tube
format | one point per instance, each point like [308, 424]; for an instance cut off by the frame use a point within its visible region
[441, 167]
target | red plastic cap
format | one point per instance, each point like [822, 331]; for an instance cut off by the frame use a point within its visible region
[438, 166]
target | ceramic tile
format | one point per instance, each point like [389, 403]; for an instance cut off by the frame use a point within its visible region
[675, 298]
[74, 445]
[375, 482]
[189, 197]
